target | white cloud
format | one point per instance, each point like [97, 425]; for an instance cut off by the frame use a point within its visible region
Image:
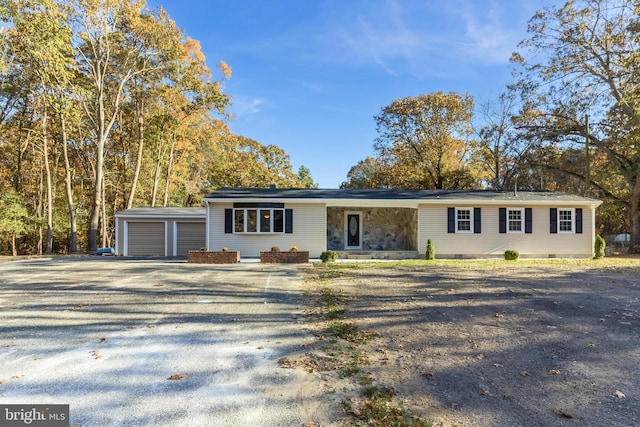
[244, 106]
[426, 39]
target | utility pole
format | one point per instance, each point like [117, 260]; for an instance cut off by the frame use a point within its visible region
[587, 177]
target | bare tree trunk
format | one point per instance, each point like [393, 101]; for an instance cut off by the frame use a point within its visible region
[73, 228]
[47, 172]
[167, 181]
[136, 172]
[104, 215]
[634, 217]
[14, 252]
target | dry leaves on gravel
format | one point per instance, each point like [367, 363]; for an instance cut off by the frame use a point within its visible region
[177, 376]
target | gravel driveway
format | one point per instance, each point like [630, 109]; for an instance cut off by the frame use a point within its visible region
[153, 343]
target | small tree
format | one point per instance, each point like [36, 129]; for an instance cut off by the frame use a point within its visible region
[431, 250]
[13, 218]
[598, 247]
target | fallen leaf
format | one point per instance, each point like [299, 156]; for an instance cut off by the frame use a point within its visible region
[524, 373]
[498, 315]
[102, 339]
[619, 394]
[554, 372]
[96, 354]
[177, 376]
[564, 414]
[17, 377]
[260, 348]
[427, 374]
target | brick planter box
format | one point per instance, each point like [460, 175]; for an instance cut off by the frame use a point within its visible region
[297, 257]
[213, 257]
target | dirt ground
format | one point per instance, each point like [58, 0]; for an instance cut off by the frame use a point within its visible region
[497, 344]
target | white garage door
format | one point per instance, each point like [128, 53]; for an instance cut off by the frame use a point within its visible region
[191, 236]
[146, 239]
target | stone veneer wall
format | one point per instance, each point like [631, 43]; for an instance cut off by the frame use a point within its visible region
[393, 229]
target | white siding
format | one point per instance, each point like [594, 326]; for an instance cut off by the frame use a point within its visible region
[309, 232]
[541, 242]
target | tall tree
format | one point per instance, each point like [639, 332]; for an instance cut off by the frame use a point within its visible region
[423, 141]
[364, 175]
[13, 218]
[499, 147]
[41, 41]
[305, 178]
[580, 60]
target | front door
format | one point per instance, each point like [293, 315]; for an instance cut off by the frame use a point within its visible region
[353, 231]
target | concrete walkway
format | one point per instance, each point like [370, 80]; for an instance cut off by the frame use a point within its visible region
[106, 336]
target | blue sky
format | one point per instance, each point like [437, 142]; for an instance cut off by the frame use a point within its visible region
[309, 75]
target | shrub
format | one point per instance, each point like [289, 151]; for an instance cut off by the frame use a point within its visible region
[275, 249]
[328, 256]
[225, 249]
[294, 249]
[598, 247]
[203, 249]
[431, 251]
[511, 255]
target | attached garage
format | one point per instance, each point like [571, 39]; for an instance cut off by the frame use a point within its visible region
[190, 236]
[161, 232]
[146, 238]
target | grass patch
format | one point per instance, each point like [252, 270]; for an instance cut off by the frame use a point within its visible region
[376, 408]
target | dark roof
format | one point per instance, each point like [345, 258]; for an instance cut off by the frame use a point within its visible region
[393, 194]
[162, 212]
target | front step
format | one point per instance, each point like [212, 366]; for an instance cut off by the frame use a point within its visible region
[358, 256]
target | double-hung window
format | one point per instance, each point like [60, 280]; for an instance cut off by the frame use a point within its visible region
[464, 220]
[515, 220]
[258, 220]
[565, 220]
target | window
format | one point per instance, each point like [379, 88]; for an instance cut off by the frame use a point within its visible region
[463, 220]
[247, 220]
[515, 219]
[565, 220]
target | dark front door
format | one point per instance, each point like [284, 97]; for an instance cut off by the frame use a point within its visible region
[353, 230]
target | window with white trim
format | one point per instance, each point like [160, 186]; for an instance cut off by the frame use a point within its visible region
[565, 220]
[464, 220]
[515, 220]
[258, 220]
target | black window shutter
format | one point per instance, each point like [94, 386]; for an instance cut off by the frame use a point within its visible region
[528, 220]
[451, 220]
[578, 220]
[288, 221]
[502, 219]
[228, 220]
[477, 221]
[553, 220]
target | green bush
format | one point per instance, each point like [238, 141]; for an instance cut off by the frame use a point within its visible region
[511, 255]
[598, 247]
[328, 256]
[293, 249]
[431, 251]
